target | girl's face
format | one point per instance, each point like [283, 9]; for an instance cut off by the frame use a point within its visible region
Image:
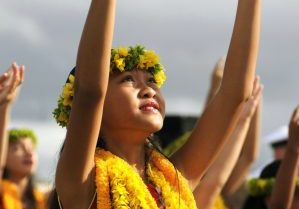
[21, 157]
[133, 102]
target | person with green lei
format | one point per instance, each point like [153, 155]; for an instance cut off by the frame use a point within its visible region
[111, 105]
[18, 156]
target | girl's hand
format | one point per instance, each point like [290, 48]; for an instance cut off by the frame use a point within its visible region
[251, 104]
[9, 82]
[294, 129]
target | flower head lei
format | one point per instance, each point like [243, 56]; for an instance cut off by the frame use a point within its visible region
[19, 133]
[122, 59]
[263, 186]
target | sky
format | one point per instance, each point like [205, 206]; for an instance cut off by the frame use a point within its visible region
[189, 35]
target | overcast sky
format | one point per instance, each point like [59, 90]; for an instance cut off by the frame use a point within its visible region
[189, 35]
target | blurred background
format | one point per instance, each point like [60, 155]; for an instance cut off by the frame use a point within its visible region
[189, 35]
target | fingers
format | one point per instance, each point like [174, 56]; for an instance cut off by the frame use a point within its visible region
[294, 129]
[257, 89]
[251, 105]
[9, 83]
[257, 86]
[295, 116]
[22, 72]
[3, 79]
[18, 72]
[252, 102]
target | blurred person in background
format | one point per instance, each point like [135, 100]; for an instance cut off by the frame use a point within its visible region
[18, 156]
[278, 140]
[277, 186]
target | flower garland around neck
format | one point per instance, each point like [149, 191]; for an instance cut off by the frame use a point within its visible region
[120, 186]
[122, 59]
[11, 197]
[263, 187]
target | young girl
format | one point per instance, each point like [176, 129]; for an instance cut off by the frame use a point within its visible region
[17, 151]
[119, 107]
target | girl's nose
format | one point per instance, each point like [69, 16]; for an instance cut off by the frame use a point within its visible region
[147, 92]
[28, 150]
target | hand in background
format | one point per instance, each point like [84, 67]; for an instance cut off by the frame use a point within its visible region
[294, 129]
[9, 82]
[253, 101]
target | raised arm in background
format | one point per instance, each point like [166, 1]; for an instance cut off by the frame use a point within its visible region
[248, 155]
[284, 188]
[250, 149]
[75, 181]
[220, 116]
[211, 185]
[9, 82]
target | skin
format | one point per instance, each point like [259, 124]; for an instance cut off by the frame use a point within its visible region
[21, 158]
[75, 181]
[9, 85]
[283, 195]
[279, 153]
[217, 175]
[249, 147]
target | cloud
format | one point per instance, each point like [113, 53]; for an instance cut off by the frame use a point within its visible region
[24, 27]
[190, 36]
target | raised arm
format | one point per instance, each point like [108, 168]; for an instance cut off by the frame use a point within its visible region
[219, 118]
[74, 177]
[285, 184]
[9, 82]
[248, 155]
[211, 185]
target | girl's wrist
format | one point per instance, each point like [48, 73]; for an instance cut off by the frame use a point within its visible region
[5, 107]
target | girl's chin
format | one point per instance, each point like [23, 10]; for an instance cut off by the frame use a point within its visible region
[155, 128]
[28, 171]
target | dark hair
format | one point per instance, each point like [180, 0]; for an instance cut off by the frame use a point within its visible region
[258, 202]
[280, 143]
[28, 196]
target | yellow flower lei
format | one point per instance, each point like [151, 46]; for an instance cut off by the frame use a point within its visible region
[219, 203]
[122, 59]
[11, 198]
[119, 186]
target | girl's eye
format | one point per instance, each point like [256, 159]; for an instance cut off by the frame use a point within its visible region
[152, 80]
[128, 78]
[15, 148]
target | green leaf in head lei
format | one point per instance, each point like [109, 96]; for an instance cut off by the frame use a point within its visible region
[264, 186]
[19, 133]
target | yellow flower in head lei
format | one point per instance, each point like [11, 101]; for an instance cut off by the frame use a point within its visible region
[137, 57]
[122, 59]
